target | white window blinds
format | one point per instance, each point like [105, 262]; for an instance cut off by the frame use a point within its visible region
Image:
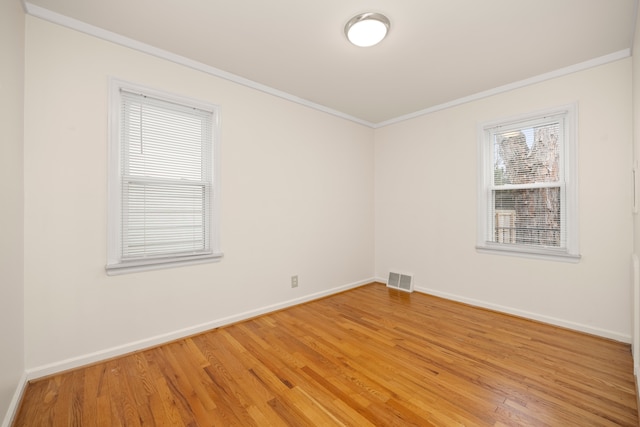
[528, 185]
[166, 177]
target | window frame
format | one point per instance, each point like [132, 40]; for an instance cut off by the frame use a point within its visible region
[568, 185]
[115, 262]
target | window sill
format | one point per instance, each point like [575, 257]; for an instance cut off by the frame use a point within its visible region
[518, 251]
[136, 266]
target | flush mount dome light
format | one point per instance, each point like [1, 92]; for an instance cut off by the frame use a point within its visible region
[367, 29]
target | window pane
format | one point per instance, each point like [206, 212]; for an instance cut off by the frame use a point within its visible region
[162, 219]
[166, 177]
[527, 155]
[164, 140]
[528, 217]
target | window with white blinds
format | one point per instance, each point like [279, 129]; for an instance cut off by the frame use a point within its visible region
[527, 186]
[162, 180]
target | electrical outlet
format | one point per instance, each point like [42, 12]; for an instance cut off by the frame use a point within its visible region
[294, 281]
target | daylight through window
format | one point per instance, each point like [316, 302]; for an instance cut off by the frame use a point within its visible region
[527, 186]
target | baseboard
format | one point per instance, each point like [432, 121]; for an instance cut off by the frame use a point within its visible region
[87, 359]
[528, 315]
[15, 401]
[637, 392]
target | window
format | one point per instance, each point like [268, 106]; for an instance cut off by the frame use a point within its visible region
[163, 185]
[527, 192]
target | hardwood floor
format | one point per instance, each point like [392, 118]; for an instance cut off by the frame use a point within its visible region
[367, 357]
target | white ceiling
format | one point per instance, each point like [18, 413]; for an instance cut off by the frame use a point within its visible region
[437, 51]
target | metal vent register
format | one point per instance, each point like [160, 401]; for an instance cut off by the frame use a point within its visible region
[402, 282]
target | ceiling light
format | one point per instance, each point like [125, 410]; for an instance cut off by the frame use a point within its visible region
[367, 29]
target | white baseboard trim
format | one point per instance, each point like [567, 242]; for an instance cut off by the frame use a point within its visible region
[87, 359]
[12, 410]
[529, 315]
[637, 391]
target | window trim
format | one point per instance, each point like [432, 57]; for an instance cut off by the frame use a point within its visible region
[115, 264]
[569, 172]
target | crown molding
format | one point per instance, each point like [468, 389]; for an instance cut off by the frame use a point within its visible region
[595, 62]
[74, 24]
[65, 21]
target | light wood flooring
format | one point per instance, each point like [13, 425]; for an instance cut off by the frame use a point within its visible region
[367, 357]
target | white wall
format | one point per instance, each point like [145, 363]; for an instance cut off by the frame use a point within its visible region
[11, 202]
[425, 198]
[636, 120]
[636, 157]
[297, 199]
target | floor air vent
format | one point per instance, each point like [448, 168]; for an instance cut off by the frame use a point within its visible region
[401, 282]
